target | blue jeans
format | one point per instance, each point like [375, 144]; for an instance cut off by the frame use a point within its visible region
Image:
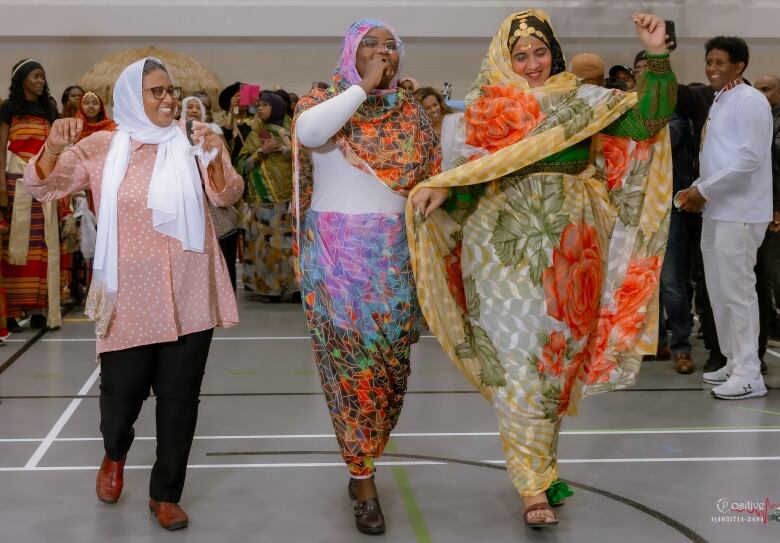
[676, 285]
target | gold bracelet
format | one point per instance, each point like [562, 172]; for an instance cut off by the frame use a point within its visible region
[49, 151]
[658, 64]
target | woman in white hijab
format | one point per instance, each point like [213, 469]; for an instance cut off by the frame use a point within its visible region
[193, 107]
[160, 284]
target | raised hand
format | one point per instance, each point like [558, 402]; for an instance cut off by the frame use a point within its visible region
[651, 31]
[64, 132]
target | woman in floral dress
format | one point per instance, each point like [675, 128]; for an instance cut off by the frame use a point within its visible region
[539, 275]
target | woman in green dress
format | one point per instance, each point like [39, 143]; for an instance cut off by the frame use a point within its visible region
[539, 275]
[266, 163]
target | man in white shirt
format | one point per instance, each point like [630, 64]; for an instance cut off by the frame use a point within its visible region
[734, 193]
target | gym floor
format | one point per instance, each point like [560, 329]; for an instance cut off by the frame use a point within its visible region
[658, 463]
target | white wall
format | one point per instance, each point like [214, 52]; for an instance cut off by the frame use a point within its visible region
[293, 43]
[417, 18]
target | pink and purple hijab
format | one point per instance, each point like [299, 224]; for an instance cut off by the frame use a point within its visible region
[346, 71]
[389, 136]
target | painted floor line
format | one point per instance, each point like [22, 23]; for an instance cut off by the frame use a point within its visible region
[413, 510]
[61, 422]
[654, 431]
[764, 411]
[416, 463]
[226, 338]
[227, 466]
[656, 460]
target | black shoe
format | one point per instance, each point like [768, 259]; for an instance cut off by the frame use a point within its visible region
[714, 363]
[13, 326]
[368, 517]
[764, 369]
[265, 299]
[38, 322]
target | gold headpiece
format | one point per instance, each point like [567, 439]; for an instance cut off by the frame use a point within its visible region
[525, 31]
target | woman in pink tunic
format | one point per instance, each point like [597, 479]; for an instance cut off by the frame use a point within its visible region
[160, 285]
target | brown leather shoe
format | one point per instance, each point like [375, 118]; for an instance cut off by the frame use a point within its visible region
[368, 517]
[352, 487]
[110, 479]
[169, 515]
[663, 353]
[683, 363]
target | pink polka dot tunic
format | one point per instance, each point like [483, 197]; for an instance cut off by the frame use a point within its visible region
[164, 291]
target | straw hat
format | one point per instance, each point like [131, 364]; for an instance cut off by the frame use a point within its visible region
[187, 72]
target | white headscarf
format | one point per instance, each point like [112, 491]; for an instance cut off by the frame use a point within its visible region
[185, 103]
[175, 191]
[205, 156]
[204, 159]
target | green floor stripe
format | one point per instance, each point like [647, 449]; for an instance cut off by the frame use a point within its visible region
[410, 501]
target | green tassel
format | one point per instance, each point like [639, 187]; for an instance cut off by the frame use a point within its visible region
[558, 492]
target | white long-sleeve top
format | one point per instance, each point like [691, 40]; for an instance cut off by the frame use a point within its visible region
[338, 185]
[735, 159]
[451, 126]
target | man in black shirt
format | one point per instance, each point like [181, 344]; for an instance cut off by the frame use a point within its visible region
[769, 85]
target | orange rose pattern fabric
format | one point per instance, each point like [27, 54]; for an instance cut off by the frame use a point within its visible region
[500, 117]
[616, 160]
[572, 285]
[546, 291]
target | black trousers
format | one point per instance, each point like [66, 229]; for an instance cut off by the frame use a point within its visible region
[229, 247]
[175, 372]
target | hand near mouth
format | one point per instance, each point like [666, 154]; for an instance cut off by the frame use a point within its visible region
[377, 69]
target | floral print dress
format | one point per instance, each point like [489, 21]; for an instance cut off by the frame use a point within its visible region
[539, 276]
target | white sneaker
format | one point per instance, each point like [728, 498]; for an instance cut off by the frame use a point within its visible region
[716, 377]
[740, 388]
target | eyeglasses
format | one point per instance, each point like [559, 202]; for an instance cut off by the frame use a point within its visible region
[160, 92]
[391, 46]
